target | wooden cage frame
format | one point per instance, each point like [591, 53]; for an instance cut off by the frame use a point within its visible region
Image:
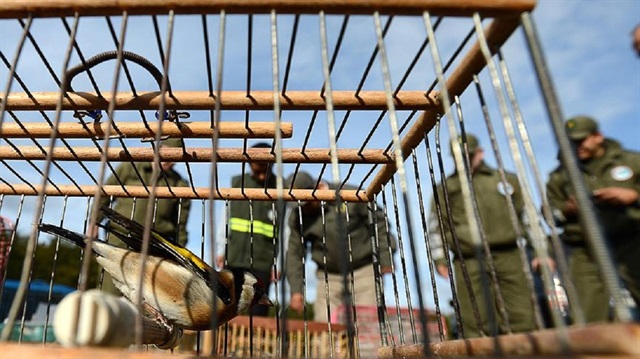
[506, 19]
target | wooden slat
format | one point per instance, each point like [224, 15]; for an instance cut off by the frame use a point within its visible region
[140, 130]
[597, 339]
[54, 351]
[292, 324]
[186, 192]
[497, 33]
[56, 8]
[291, 155]
[229, 100]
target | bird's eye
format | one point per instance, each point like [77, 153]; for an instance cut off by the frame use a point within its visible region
[258, 287]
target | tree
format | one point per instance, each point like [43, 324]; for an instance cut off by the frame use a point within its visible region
[66, 266]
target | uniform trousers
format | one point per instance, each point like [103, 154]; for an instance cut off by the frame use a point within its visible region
[364, 291]
[513, 286]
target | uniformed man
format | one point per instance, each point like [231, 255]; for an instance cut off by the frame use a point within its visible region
[612, 174]
[171, 214]
[316, 232]
[491, 195]
[251, 240]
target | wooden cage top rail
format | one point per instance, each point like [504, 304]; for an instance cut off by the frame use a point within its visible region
[229, 100]
[473, 62]
[189, 154]
[140, 130]
[256, 194]
[56, 8]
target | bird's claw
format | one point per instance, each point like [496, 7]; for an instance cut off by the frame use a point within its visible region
[158, 317]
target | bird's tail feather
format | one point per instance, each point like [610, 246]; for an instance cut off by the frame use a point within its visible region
[132, 226]
[70, 236]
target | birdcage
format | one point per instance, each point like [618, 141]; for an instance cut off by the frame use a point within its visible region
[365, 95]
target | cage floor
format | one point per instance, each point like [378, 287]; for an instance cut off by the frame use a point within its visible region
[600, 340]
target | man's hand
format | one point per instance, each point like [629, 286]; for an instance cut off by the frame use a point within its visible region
[616, 196]
[220, 261]
[536, 264]
[275, 275]
[386, 269]
[297, 302]
[442, 270]
[570, 207]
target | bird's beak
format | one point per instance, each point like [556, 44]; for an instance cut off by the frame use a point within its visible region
[265, 301]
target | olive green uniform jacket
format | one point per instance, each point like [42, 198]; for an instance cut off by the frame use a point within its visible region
[251, 230]
[621, 225]
[491, 197]
[170, 213]
[494, 213]
[358, 228]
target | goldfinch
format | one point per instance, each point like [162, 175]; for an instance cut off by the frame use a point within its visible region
[177, 287]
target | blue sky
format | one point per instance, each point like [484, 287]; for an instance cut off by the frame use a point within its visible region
[587, 45]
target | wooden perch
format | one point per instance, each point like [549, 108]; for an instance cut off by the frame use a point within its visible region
[229, 100]
[238, 194]
[596, 339]
[140, 130]
[174, 154]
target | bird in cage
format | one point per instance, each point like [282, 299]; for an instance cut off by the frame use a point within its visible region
[178, 287]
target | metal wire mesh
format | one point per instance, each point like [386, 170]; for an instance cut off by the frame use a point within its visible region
[318, 81]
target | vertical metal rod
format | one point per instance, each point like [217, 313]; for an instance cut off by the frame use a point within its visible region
[22, 288]
[590, 223]
[303, 258]
[403, 262]
[12, 70]
[26, 302]
[203, 221]
[465, 181]
[86, 259]
[53, 272]
[513, 212]
[396, 290]
[352, 289]
[375, 245]
[393, 121]
[155, 174]
[274, 243]
[437, 207]
[214, 174]
[538, 237]
[251, 254]
[494, 326]
[280, 206]
[14, 232]
[427, 244]
[327, 295]
[338, 207]
[560, 255]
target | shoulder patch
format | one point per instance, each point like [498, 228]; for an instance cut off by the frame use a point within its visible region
[505, 189]
[621, 173]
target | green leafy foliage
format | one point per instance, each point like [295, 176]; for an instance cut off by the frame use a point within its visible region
[51, 255]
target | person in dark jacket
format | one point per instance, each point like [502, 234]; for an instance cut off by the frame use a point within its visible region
[323, 240]
[612, 174]
[491, 195]
[171, 214]
[251, 242]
